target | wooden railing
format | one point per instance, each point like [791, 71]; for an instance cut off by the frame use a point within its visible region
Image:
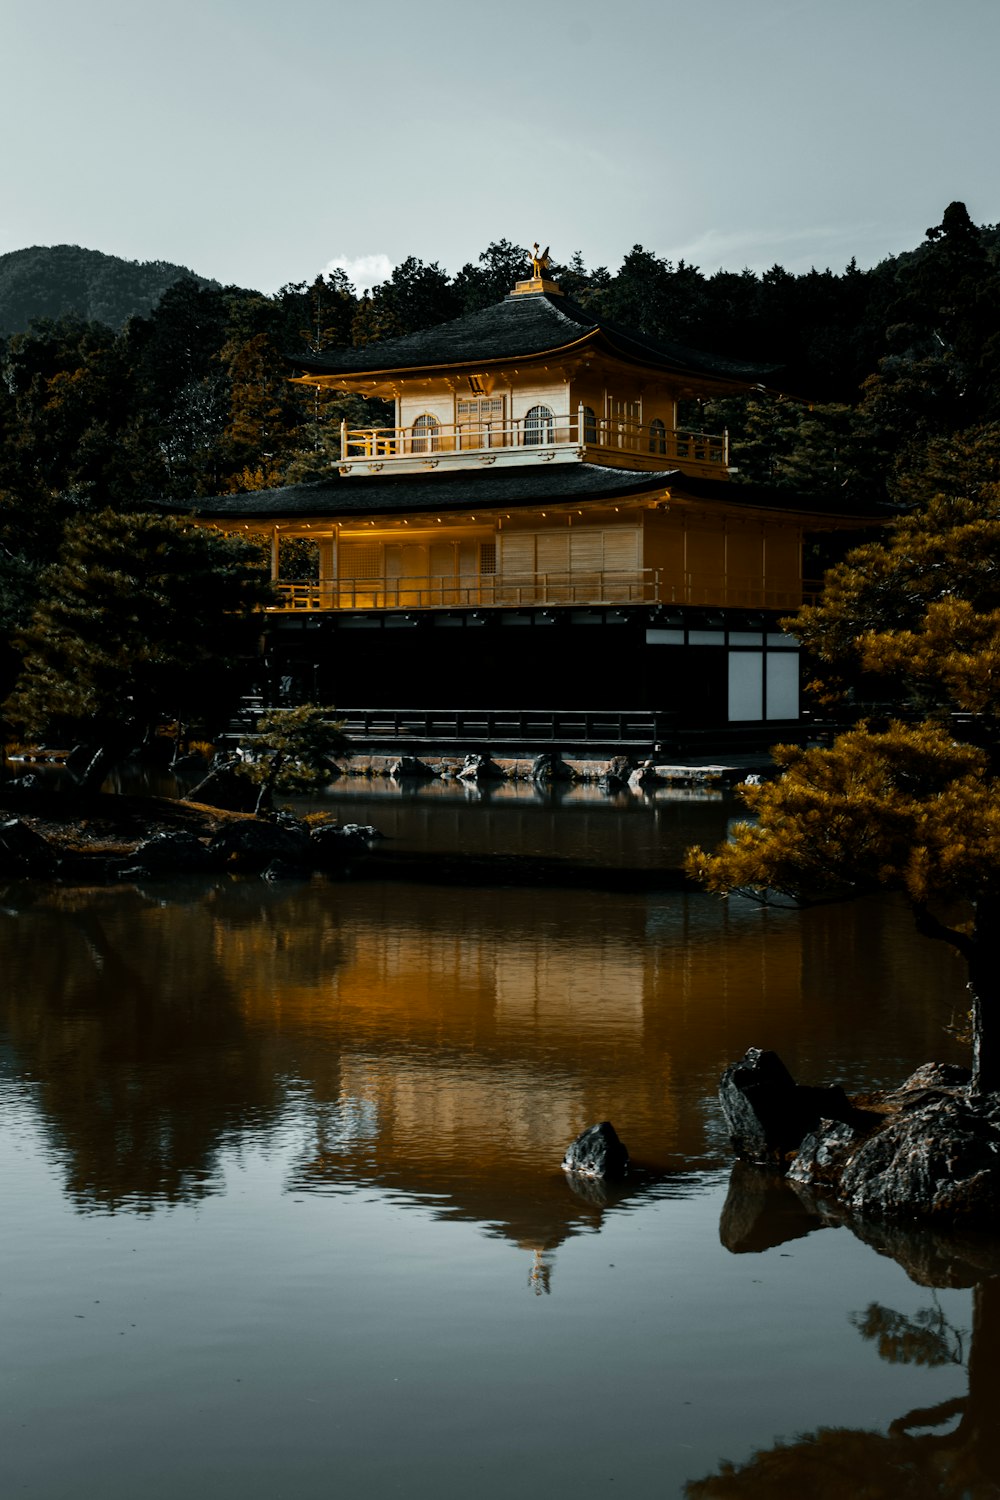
[510, 725]
[584, 586]
[527, 730]
[661, 445]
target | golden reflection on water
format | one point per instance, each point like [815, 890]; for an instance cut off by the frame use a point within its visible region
[446, 1042]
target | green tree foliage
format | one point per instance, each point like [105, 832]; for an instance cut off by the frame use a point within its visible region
[293, 750]
[800, 447]
[318, 317]
[912, 620]
[501, 266]
[64, 387]
[143, 619]
[415, 296]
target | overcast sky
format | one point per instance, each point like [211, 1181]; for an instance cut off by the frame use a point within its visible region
[257, 141]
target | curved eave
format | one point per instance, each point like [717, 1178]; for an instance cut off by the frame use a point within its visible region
[338, 499]
[537, 356]
[601, 339]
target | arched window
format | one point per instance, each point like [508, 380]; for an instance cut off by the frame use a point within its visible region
[657, 436]
[589, 425]
[538, 424]
[425, 434]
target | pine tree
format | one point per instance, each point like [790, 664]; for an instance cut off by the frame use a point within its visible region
[292, 750]
[144, 619]
[912, 621]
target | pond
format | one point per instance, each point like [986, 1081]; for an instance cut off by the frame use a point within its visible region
[283, 1211]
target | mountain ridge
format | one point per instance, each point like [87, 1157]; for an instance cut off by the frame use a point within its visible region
[56, 281]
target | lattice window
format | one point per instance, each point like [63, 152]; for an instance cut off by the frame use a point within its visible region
[361, 562]
[480, 423]
[487, 557]
[425, 434]
[484, 410]
[538, 425]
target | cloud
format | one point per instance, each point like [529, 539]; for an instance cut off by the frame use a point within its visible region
[365, 271]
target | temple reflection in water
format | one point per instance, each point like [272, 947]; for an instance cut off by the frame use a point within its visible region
[444, 1043]
[294, 1149]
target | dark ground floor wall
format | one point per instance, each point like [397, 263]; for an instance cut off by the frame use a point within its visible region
[702, 668]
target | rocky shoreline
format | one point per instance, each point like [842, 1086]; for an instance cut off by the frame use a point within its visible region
[109, 837]
[928, 1150]
[57, 835]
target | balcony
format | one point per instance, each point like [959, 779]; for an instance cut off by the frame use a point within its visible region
[581, 437]
[511, 590]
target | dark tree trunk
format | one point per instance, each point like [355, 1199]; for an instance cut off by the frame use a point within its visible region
[980, 1420]
[93, 772]
[984, 986]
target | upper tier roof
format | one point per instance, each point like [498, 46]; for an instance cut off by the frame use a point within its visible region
[522, 326]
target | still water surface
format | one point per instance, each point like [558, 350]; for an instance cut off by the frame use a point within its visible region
[283, 1214]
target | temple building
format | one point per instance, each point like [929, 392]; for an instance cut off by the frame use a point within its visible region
[539, 530]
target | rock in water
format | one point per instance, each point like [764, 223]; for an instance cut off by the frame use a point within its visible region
[409, 768]
[597, 1152]
[478, 768]
[170, 853]
[252, 844]
[23, 851]
[767, 1112]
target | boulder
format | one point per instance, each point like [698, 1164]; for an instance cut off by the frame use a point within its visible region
[823, 1154]
[23, 851]
[170, 853]
[410, 768]
[331, 845]
[597, 1152]
[928, 1150]
[616, 774]
[939, 1159]
[479, 768]
[252, 843]
[768, 1113]
[643, 776]
[933, 1075]
[549, 766]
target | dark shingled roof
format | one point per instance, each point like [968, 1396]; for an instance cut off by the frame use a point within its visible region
[464, 489]
[521, 326]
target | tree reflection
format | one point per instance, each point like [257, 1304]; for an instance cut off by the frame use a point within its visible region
[925, 1339]
[915, 1459]
[130, 1024]
[397, 1042]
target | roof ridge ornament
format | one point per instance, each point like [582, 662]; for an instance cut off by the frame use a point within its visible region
[539, 281]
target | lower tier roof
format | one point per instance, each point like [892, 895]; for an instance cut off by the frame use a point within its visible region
[488, 489]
